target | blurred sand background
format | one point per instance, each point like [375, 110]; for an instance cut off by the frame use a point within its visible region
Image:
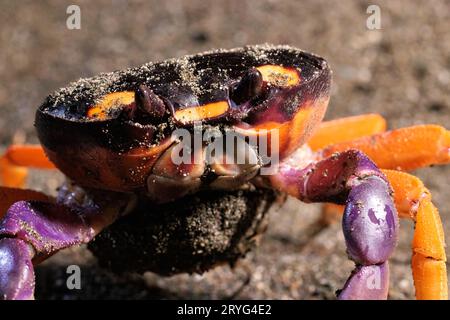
[401, 71]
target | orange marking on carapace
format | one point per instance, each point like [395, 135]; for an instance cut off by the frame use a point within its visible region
[207, 111]
[109, 102]
[279, 76]
[293, 133]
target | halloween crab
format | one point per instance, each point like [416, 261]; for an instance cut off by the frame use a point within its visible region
[111, 135]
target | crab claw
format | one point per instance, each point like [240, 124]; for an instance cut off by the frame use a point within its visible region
[249, 87]
[16, 270]
[148, 103]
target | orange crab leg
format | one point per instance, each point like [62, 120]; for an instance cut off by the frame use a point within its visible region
[28, 156]
[413, 200]
[346, 129]
[16, 159]
[402, 149]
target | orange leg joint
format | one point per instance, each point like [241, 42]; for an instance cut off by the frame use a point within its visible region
[16, 160]
[402, 149]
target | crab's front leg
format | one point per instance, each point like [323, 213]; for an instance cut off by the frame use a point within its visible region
[31, 231]
[370, 222]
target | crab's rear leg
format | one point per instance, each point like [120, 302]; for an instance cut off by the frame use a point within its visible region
[31, 231]
[16, 159]
[370, 222]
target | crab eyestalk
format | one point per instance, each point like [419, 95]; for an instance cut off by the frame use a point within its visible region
[250, 87]
[148, 104]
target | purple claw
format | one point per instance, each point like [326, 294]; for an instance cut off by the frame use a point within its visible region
[370, 223]
[16, 270]
[31, 231]
[47, 227]
[367, 283]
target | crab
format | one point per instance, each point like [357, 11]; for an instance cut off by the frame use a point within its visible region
[112, 137]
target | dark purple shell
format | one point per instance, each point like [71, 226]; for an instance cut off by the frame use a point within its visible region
[71, 139]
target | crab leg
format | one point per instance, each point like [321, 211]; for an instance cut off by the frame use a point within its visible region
[402, 149]
[31, 231]
[413, 201]
[431, 145]
[389, 150]
[370, 222]
[16, 159]
[346, 129]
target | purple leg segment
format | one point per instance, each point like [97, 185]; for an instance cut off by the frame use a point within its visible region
[16, 270]
[367, 283]
[47, 227]
[370, 222]
[30, 232]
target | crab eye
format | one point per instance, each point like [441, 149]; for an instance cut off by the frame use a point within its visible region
[249, 87]
[148, 103]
